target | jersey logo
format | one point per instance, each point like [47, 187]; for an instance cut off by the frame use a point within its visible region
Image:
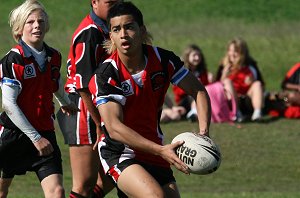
[158, 80]
[127, 88]
[29, 71]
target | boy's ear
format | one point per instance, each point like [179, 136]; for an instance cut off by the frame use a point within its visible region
[143, 29]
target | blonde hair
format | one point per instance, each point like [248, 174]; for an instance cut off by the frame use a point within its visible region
[19, 15]
[241, 47]
[110, 47]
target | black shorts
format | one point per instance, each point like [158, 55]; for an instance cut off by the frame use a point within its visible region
[18, 155]
[78, 129]
[162, 175]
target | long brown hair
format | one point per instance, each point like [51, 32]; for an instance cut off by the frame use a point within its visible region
[201, 67]
[241, 47]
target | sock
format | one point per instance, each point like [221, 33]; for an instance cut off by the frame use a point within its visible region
[256, 114]
[192, 112]
[98, 192]
[75, 195]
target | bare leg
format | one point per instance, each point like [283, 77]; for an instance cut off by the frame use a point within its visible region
[231, 94]
[104, 182]
[256, 94]
[84, 164]
[136, 182]
[53, 186]
[4, 186]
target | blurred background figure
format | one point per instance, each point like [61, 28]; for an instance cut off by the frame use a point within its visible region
[194, 60]
[287, 102]
[171, 112]
[238, 66]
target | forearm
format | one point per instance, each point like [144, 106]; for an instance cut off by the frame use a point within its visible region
[112, 115]
[15, 114]
[204, 112]
[61, 96]
[291, 86]
[87, 99]
[128, 136]
[194, 88]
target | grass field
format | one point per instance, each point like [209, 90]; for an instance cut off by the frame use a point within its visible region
[260, 160]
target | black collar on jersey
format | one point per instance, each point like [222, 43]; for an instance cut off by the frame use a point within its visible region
[28, 53]
[99, 22]
[27, 50]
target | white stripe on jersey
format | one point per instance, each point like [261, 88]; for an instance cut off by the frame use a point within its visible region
[77, 122]
[103, 162]
[179, 75]
[104, 99]
[1, 130]
[128, 153]
[88, 127]
[14, 50]
[157, 54]
[113, 62]
[80, 77]
[87, 27]
[82, 53]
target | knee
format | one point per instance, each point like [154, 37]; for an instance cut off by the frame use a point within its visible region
[257, 85]
[152, 193]
[58, 191]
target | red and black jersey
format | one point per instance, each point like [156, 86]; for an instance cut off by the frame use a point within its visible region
[86, 52]
[292, 76]
[37, 85]
[141, 105]
[242, 79]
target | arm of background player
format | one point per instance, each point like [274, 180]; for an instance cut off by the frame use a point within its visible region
[192, 86]
[87, 99]
[65, 104]
[9, 104]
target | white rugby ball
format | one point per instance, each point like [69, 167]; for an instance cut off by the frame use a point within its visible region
[198, 152]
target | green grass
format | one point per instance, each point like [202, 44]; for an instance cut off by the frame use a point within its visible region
[259, 160]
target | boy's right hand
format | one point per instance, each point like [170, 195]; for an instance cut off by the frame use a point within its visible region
[44, 147]
[168, 153]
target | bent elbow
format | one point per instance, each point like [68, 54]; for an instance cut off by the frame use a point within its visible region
[113, 131]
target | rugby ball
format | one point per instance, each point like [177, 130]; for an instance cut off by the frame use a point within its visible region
[198, 152]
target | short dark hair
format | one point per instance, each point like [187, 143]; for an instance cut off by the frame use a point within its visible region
[125, 8]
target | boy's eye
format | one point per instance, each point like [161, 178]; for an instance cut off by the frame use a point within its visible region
[30, 21]
[115, 29]
[130, 27]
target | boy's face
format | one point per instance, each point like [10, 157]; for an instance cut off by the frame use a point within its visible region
[101, 7]
[34, 29]
[126, 34]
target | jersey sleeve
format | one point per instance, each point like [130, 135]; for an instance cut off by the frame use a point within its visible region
[105, 85]
[88, 52]
[12, 69]
[178, 67]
